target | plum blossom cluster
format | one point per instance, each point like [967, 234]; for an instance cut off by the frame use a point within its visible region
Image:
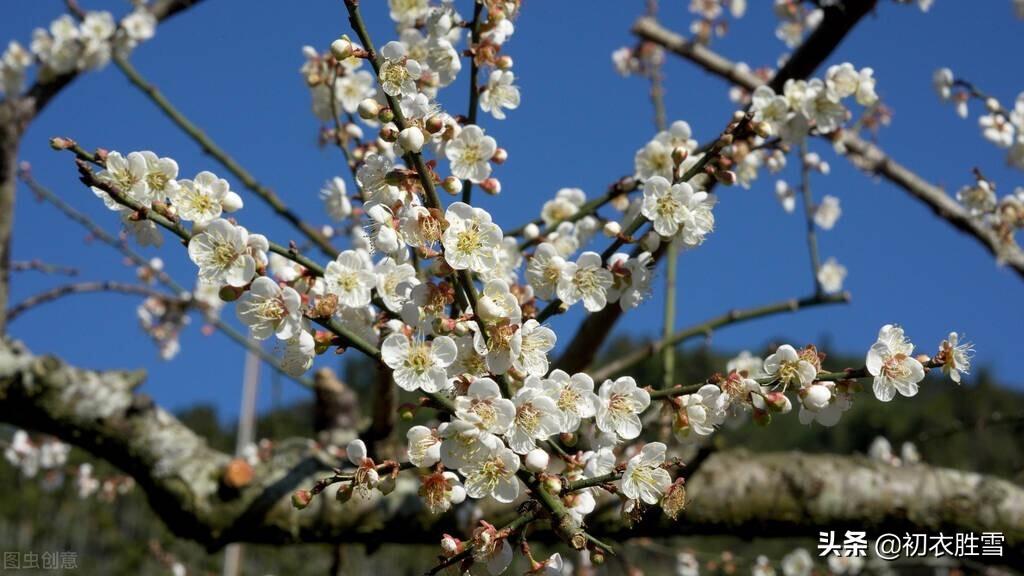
[1003, 214]
[46, 458]
[69, 45]
[1001, 126]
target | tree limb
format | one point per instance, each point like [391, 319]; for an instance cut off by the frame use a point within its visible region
[861, 153]
[738, 493]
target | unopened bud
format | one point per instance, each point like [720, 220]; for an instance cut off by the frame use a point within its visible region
[389, 132]
[553, 484]
[762, 417]
[537, 460]
[386, 115]
[727, 177]
[597, 557]
[434, 124]
[450, 546]
[778, 402]
[344, 493]
[341, 48]
[504, 62]
[763, 129]
[301, 498]
[492, 186]
[679, 155]
[500, 156]
[59, 143]
[237, 474]
[992, 104]
[411, 139]
[353, 131]
[452, 185]
[612, 229]
[368, 109]
[229, 293]
[531, 231]
[232, 202]
[407, 412]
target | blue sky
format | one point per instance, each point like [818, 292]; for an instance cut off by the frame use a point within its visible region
[232, 67]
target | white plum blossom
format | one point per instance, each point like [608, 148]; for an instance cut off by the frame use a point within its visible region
[585, 279]
[789, 368]
[798, 563]
[537, 417]
[394, 283]
[335, 197]
[424, 446]
[418, 365]
[398, 73]
[485, 408]
[827, 212]
[496, 303]
[574, 397]
[956, 356]
[350, 277]
[701, 411]
[890, 360]
[678, 209]
[544, 271]
[499, 93]
[371, 177]
[621, 402]
[267, 308]
[831, 276]
[222, 252]
[470, 154]
[536, 342]
[644, 478]
[493, 475]
[785, 195]
[200, 200]
[128, 175]
[471, 239]
[299, 352]
[631, 279]
[161, 174]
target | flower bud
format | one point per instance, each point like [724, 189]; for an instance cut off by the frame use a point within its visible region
[778, 402]
[407, 412]
[531, 231]
[612, 229]
[386, 115]
[368, 109]
[232, 202]
[389, 132]
[492, 186]
[568, 438]
[344, 493]
[237, 474]
[230, 293]
[816, 397]
[727, 177]
[341, 48]
[434, 124]
[450, 546]
[553, 484]
[597, 557]
[679, 155]
[992, 104]
[537, 460]
[59, 143]
[500, 156]
[452, 185]
[353, 130]
[301, 499]
[504, 62]
[411, 139]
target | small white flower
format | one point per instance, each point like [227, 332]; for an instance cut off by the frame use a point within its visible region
[544, 270]
[821, 107]
[827, 212]
[785, 195]
[371, 177]
[267, 308]
[200, 200]
[407, 12]
[842, 80]
[222, 253]
[942, 81]
[644, 478]
[678, 209]
[418, 365]
[631, 279]
[621, 402]
[536, 342]
[128, 175]
[350, 278]
[891, 362]
[586, 279]
[704, 410]
[821, 403]
[537, 417]
[997, 129]
[336, 200]
[494, 475]
[797, 563]
[161, 174]
[398, 74]
[353, 88]
[471, 239]
[831, 276]
[485, 408]
[654, 159]
[424, 446]
[499, 93]
[956, 356]
[470, 154]
[299, 353]
[842, 564]
[789, 368]
[574, 397]
[394, 282]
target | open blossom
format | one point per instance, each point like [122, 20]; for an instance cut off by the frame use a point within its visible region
[350, 278]
[823, 404]
[631, 279]
[470, 154]
[499, 93]
[678, 209]
[494, 475]
[398, 74]
[564, 205]
[536, 342]
[372, 178]
[418, 365]
[440, 490]
[471, 239]
[586, 279]
[336, 200]
[161, 174]
[644, 478]
[621, 403]
[537, 417]
[353, 88]
[701, 411]
[222, 253]
[394, 282]
[831, 276]
[267, 308]
[128, 175]
[956, 356]
[798, 563]
[654, 159]
[463, 443]
[497, 303]
[574, 397]
[544, 270]
[891, 362]
[424, 446]
[299, 352]
[789, 368]
[484, 407]
[827, 213]
[201, 199]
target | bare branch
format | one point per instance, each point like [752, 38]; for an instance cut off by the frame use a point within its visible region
[81, 288]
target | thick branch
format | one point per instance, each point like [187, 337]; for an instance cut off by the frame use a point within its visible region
[861, 153]
[733, 493]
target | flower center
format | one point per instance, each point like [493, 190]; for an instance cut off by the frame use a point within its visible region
[568, 399]
[469, 241]
[528, 418]
[419, 358]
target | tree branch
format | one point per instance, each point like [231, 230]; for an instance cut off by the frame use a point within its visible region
[738, 493]
[81, 288]
[861, 153]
